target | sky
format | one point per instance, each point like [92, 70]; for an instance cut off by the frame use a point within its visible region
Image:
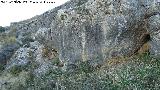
[14, 12]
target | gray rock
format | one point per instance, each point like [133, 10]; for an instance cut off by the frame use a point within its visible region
[94, 30]
[6, 53]
[101, 29]
[20, 58]
[31, 58]
[154, 29]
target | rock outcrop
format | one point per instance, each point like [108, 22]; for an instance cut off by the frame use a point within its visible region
[7, 52]
[98, 30]
[94, 30]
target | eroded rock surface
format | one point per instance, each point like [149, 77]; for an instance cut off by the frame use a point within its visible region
[101, 29]
[94, 30]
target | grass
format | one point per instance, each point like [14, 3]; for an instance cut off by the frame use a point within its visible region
[136, 73]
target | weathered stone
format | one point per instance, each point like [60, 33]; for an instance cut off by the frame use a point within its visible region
[95, 30]
[31, 57]
[6, 53]
[154, 29]
[84, 32]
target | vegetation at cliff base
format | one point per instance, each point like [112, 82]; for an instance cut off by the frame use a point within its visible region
[136, 73]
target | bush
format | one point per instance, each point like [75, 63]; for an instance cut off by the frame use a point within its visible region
[139, 72]
[2, 29]
[56, 61]
[80, 2]
[6, 39]
[15, 70]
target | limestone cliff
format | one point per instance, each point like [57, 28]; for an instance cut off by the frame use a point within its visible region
[89, 30]
[84, 45]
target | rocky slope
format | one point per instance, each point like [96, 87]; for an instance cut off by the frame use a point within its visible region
[85, 30]
[46, 50]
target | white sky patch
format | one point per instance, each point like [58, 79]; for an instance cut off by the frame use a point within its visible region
[11, 12]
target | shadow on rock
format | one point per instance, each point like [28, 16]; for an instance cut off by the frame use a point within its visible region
[7, 52]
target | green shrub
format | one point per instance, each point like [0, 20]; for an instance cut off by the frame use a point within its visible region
[85, 67]
[6, 39]
[56, 61]
[1, 68]
[15, 70]
[63, 17]
[138, 73]
[80, 2]
[2, 29]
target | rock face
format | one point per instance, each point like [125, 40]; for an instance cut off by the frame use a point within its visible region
[101, 29]
[154, 28]
[95, 30]
[31, 57]
[7, 52]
